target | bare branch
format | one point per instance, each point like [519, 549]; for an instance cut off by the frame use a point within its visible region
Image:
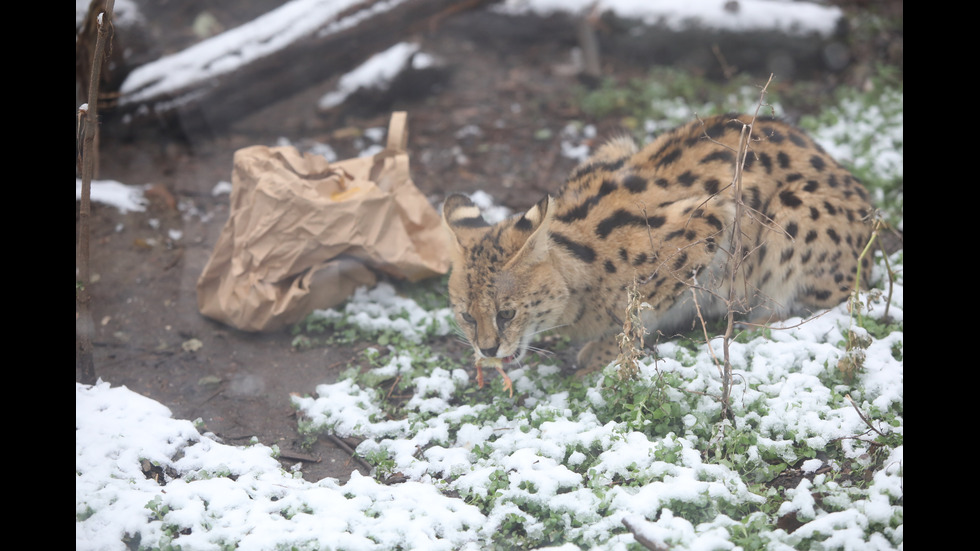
[89, 118]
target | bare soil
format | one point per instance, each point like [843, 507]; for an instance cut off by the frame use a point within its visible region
[501, 78]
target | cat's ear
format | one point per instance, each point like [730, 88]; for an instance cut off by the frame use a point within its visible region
[534, 223]
[460, 214]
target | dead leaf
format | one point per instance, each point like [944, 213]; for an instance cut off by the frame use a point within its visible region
[192, 345]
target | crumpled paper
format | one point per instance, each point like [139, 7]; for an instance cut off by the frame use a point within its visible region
[304, 233]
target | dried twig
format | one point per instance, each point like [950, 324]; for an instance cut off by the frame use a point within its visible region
[633, 330]
[298, 456]
[862, 416]
[737, 255]
[337, 441]
[88, 117]
[640, 538]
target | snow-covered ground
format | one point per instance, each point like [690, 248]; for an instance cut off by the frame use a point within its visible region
[565, 467]
[556, 468]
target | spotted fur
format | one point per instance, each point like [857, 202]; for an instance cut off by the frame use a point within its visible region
[662, 216]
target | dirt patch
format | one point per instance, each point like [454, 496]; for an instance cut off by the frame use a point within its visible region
[150, 336]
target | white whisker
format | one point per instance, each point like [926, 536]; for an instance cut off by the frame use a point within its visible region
[543, 351]
[544, 330]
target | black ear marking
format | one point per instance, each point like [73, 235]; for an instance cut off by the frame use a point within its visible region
[458, 211]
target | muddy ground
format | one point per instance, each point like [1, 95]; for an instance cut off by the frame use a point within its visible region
[506, 79]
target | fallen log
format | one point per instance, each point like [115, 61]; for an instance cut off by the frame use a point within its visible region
[207, 87]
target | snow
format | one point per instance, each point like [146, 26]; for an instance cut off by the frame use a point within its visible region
[884, 156]
[124, 197]
[476, 470]
[211, 494]
[753, 15]
[230, 50]
[379, 70]
[298, 19]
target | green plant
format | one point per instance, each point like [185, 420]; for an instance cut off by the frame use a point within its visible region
[667, 408]
[664, 94]
[865, 128]
[383, 463]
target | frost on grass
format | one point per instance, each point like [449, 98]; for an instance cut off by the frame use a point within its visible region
[560, 465]
[567, 465]
[382, 311]
[207, 495]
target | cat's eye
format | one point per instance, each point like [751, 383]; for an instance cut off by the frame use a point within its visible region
[467, 318]
[506, 315]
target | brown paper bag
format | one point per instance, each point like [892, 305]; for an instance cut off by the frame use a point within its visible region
[303, 233]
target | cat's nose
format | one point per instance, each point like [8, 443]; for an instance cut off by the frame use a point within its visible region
[490, 352]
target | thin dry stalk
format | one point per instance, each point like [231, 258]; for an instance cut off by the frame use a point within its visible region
[854, 355]
[726, 380]
[733, 303]
[89, 117]
[633, 331]
[862, 415]
[868, 250]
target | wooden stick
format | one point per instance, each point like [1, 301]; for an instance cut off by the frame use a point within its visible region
[89, 122]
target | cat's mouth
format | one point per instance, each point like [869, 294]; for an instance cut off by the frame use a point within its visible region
[514, 357]
[506, 359]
